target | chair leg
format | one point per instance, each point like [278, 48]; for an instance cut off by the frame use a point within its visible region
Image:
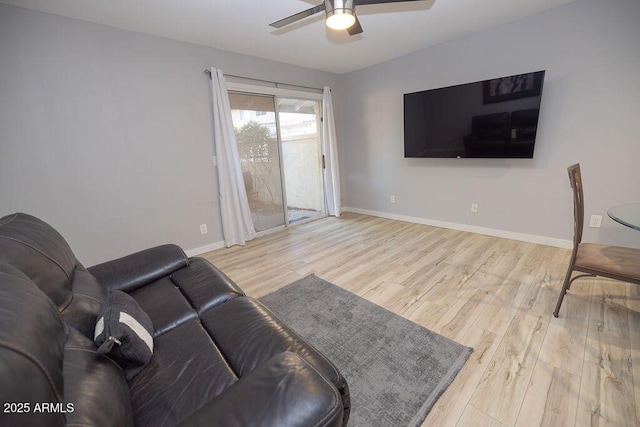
[563, 292]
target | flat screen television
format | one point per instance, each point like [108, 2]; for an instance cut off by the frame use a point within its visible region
[495, 118]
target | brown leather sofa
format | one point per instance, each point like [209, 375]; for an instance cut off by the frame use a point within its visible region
[220, 357]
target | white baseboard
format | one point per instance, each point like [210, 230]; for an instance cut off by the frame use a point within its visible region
[204, 249]
[530, 238]
[219, 245]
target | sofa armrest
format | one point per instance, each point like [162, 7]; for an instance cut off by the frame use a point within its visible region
[284, 391]
[141, 268]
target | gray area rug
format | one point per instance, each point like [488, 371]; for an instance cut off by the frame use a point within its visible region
[396, 369]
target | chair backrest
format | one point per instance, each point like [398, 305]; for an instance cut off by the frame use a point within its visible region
[575, 178]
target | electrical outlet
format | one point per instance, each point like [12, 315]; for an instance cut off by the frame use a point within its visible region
[392, 199]
[203, 229]
[474, 208]
[595, 221]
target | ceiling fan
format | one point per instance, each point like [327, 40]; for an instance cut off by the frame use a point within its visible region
[341, 14]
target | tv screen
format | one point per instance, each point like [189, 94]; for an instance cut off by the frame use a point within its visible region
[495, 118]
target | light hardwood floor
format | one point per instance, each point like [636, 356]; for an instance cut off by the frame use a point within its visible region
[495, 295]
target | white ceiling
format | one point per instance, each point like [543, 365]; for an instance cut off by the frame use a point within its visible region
[390, 30]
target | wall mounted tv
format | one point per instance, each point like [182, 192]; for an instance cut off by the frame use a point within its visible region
[495, 118]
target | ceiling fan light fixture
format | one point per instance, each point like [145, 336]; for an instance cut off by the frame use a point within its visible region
[340, 21]
[340, 14]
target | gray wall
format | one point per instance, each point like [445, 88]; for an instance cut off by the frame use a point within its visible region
[590, 114]
[107, 135]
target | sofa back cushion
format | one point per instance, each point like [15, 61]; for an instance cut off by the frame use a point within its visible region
[40, 252]
[50, 366]
[32, 337]
[88, 297]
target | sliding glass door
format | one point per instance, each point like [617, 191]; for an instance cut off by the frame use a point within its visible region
[280, 154]
[299, 121]
[254, 120]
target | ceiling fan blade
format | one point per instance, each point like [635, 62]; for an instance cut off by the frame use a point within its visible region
[298, 16]
[356, 28]
[361, 2]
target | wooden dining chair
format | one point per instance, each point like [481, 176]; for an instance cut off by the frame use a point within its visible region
[591, 259]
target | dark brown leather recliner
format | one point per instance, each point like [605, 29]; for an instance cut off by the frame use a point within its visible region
[220, 357]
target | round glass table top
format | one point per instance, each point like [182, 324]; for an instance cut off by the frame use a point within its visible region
[628, 215]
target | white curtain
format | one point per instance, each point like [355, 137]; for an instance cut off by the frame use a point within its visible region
[237, 225]
[332, 173]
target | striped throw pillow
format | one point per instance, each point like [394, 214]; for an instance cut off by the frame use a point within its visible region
[124, 332]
